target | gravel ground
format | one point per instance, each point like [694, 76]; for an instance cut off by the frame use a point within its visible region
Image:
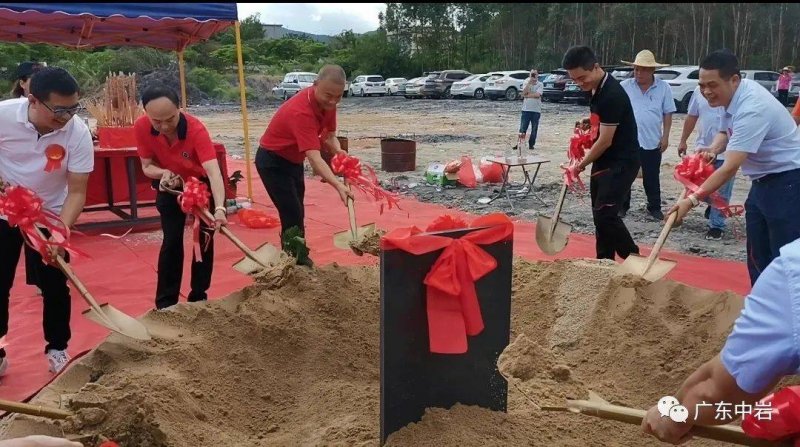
[447, 129]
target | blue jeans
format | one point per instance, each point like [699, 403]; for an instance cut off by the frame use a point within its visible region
[772, 214]
[715, 217]
[533, 119]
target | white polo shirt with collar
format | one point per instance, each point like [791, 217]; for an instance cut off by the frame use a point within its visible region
[758, 124]
[23, 159]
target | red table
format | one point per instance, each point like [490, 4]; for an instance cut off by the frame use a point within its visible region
[119, 185]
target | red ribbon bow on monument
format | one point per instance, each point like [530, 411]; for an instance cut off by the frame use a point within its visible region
[693, 171]
[452, 302]
[194, 200]
[24, 209]
[350, 168]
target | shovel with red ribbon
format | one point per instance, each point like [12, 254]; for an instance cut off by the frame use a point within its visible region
[24, 209]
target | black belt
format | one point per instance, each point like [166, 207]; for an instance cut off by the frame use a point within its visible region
[777, 175]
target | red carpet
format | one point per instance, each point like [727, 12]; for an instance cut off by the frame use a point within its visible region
[122, 271]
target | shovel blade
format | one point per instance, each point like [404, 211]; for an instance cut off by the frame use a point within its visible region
[267, 254]
[342, 239]
[552, 245]
[637, 265]
[118, 321]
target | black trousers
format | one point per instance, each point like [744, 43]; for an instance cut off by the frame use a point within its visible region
[52, 281]
[286, 187]
[783, 97]
[651, 170]
[30, 271]
[608, 190]
[170, 258]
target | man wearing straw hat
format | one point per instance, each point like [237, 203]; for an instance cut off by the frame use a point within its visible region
[759, 135]
[653, 107]
[44, 148]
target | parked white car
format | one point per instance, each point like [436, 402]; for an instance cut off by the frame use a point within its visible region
[767, 79]
[396, 85]
[368, 85]
[292, 83]
[682, 79]
[473, 86]
[506, 84]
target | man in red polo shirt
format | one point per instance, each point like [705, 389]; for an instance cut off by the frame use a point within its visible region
[174, 145]
[300, 129]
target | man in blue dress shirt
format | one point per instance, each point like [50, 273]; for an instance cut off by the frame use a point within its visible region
[653, 106]
[759, 135]
[759, 352]
[709, 117]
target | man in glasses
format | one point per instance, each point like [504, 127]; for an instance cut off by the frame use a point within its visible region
[45, 149]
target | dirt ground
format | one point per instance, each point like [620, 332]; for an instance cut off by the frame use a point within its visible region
[299, 364]
[447, 129]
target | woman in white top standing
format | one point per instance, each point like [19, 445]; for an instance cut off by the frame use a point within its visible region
[531, 108]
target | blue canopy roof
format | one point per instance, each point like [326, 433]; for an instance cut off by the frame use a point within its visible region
[170, 26]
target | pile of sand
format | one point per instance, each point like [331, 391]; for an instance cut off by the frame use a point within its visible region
[370, 244]
[299, 364]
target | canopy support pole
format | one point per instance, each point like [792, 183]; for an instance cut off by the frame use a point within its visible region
[182, 72]
[243, 97]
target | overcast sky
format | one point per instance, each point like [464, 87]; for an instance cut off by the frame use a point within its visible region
[317, 18]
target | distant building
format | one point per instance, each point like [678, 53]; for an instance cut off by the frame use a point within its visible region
[277, 31]
[408, 39]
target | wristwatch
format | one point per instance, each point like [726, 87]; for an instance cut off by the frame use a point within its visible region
[694, 200]
[221, 208]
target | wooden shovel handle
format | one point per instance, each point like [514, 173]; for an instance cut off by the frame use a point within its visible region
[236, 241]
[651, 259]
[33, 410]
[604, 410]
[557, 211]
[209, 218]
[351, 213]
[62, 264]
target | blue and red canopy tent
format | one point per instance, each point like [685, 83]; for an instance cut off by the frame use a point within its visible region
[170, 27]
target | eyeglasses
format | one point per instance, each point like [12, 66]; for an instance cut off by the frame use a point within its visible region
[63, 113]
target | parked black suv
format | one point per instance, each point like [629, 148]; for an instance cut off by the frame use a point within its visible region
[553, 90]
[439, 86]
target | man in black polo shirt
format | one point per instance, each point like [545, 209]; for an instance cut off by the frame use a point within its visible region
[614, 155]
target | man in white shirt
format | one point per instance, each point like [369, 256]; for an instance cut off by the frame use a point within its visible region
[653, 106]
[708, 116]
[44, 148]
[531, 108]
[759, 135]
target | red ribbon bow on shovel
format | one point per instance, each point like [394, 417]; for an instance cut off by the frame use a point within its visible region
[24, 209]
[693, 171]
[452, 302]
[351, 169]
[194, 199]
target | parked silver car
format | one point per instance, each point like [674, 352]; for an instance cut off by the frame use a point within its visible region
[292, 83]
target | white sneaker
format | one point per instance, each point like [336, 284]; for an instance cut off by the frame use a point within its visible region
[3, 365]
[57, 360]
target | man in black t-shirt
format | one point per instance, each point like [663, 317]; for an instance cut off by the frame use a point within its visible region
[614, 155]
